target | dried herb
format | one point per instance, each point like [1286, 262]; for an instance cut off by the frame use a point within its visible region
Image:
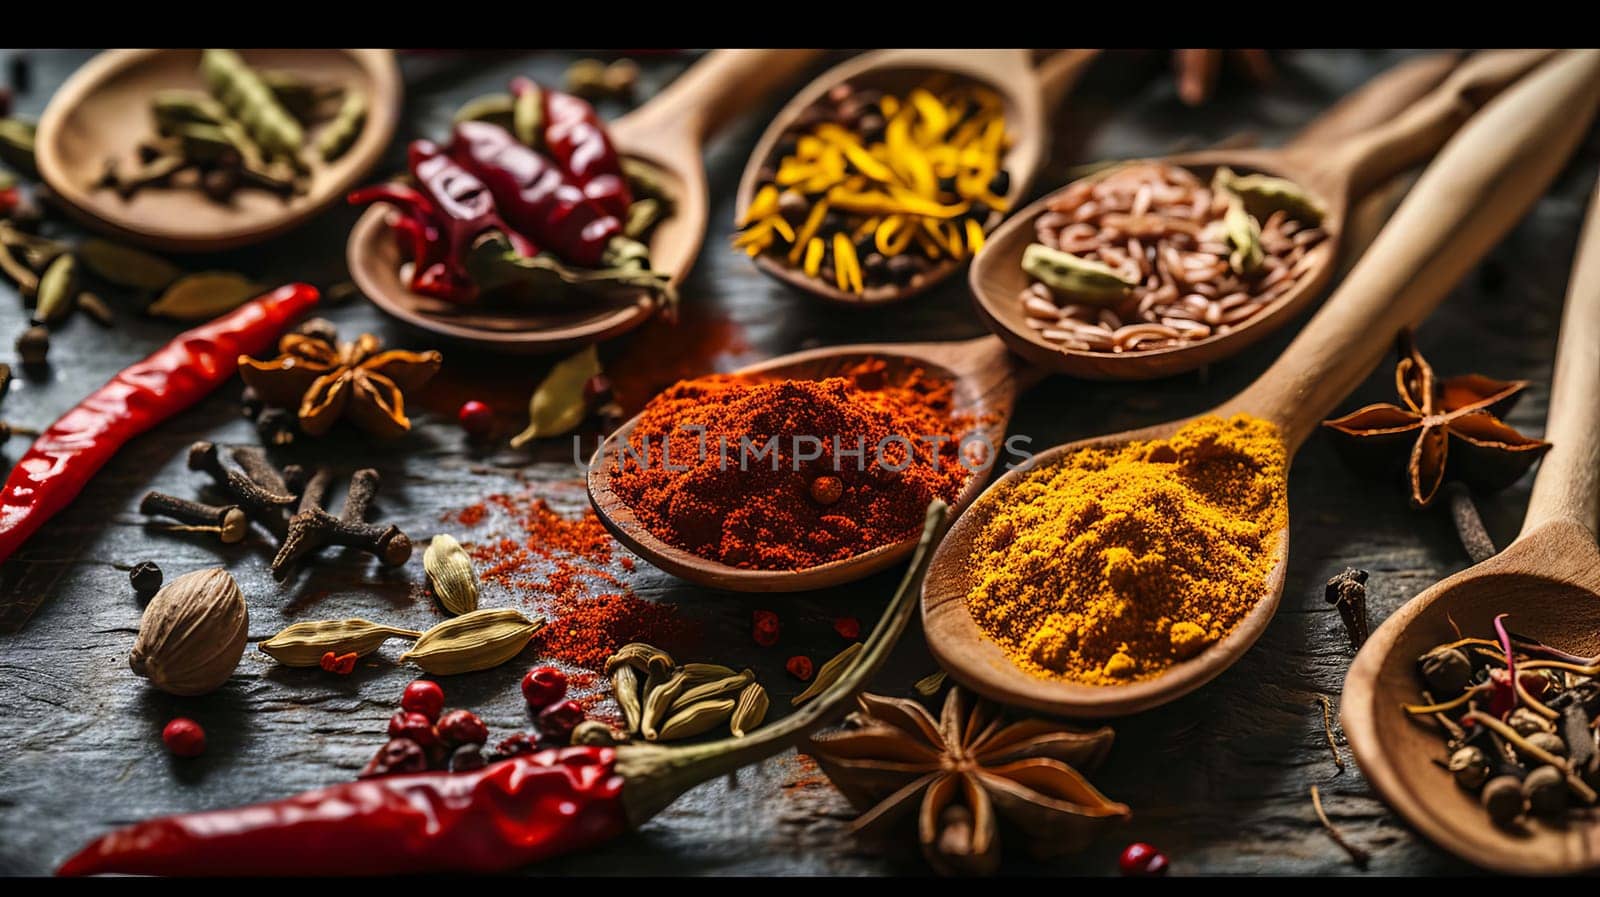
[894, 759]
[203, 296]
[1447, 430]
[559, 404]
[325, 381]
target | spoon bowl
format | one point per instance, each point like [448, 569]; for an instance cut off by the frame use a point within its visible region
[986, 381]
[668, 134]
[1548, 581]
[102, 112]
[1479, 186]
[1029, 95]
[1339, 175]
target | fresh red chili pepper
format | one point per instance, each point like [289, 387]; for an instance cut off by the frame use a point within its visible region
[576, 139]
[9, 197]
[181, 373]
[489, 820]
[534, 195]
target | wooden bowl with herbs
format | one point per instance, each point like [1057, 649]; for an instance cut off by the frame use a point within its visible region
[170, 148]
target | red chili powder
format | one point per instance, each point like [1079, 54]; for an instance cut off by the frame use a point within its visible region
[875, 436]
[567, 569]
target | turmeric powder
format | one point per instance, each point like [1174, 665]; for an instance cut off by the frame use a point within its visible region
[1111, 565]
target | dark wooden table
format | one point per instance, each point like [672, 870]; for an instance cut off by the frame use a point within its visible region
[1220, 780]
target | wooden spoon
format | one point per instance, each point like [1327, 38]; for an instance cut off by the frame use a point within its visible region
[991, 374]
[668, 132]
[103, 112]
[1480, 185]
[1548, 580]
[1031, 95]
[1339, 173]
[987, 380]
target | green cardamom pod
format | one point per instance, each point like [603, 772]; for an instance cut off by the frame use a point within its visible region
[495, 108]
[527, 117]
[16, 145]
[829, 674]
[449, 571]
[203, 296]
[58, 291]
[714, 688]
[704, 672]
[340, 134]
[750, 711]
[305, 99]
[479, 640]
[642, 657]
[1263, 194]
[1244, 234]
[1077, 279]
[248, 99]
[625, 688]
[125, 266]
[594, 733]
[696, 719]
[929, 685]
[657, 701]
[303, 644]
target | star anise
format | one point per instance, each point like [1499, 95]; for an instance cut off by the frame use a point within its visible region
[1450, 429]
[324, 380]
[961, 772]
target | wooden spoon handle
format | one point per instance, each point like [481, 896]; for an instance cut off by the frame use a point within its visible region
[1411, 137]
[1479, 186]
[1568, 485]
[1376, 102]
[1057, 75]
[715, 89]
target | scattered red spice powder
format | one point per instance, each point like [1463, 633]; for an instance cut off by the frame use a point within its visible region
[570, 570]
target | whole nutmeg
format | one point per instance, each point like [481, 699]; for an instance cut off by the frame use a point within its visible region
[192, 634]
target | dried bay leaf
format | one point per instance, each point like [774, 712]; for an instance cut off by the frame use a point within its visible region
[125, 266]
[558, 405]
[203, 296]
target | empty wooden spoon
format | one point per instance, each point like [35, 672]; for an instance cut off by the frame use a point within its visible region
[1548, 580]
[103, 112]
[1479, 186]
[667, 132]
[1031, 96]
[987, 379]
[1339, 173]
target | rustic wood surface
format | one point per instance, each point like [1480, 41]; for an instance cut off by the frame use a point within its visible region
[1219, 780]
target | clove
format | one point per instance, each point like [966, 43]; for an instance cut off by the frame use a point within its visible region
[313, 528]
[228, 522]
[250, 495]
[1348, 592]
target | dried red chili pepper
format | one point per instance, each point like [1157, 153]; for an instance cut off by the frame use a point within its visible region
[577, 140]
[341, 664]
[512, 813]
[67, 455]
[539, 200]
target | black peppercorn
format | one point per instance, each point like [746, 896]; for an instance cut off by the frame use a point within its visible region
[947, 184]
[1546, 791]
[219, 183]
[875, 267]
[250, 403]
[792, 206]
[1447, 671]
[832, 223]
[33, 346]
[787, 145]
[766, 174]
[1502, 799]
[872, 127]
[1000, 183]
[146, 578]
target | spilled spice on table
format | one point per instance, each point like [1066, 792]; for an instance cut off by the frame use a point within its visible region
[570, 570]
